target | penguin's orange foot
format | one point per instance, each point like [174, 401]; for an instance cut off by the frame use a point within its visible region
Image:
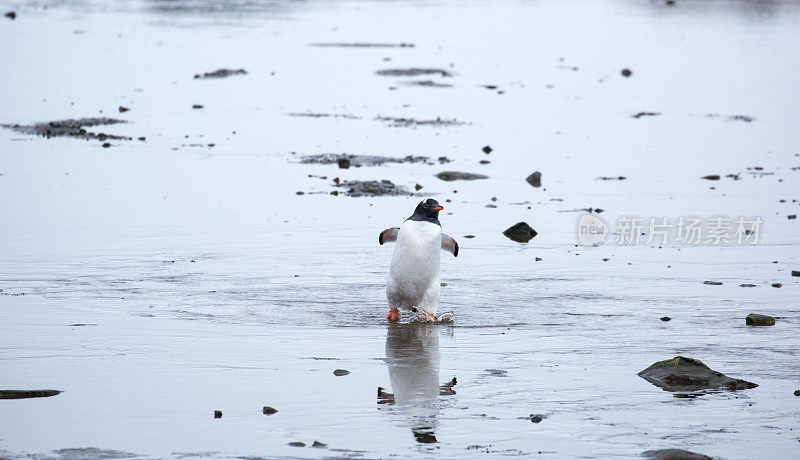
[393, 315]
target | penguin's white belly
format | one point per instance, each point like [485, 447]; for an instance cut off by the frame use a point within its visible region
[414, 272]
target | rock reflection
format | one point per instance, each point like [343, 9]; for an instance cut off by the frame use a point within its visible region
[412, 358]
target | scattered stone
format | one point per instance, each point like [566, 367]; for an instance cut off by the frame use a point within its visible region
[417, 187]
[358, 188]
[747, 285]
[535, 179]
[11, 15]
[24, 394]
[490, 206]
[299, 192]
[646, 114]
[687, 374]
[538, 259]
[665, 318]
[123, 109]
[450, 176]
[343, 163]
[496, 372]
[486, 149]
[712, 283]
[484, 162]
[297, 444]
[340, 372]
[744, 118]
[792, 216]
[711, 177]
[795, 272]
[69, 128]
[142, 138]
[267, 410]
[797, 392]
[319, 445]
[611, 178]
[106, 145]
[674, 454]
[626, 72]
[400, 122]
[323, 115]
[469, 236]
[413, 72]
[776, 285]
[754, 319]
[217, 414]
[520, 232]
[363, 45]
[220, 73]
[365, 160]
[536, 418]
[197, 106]
[429, 83]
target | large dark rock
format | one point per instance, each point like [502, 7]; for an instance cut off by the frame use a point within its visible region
[686, 374]
[520, 232]
[674, 454]
[754, 319]
[535, 179]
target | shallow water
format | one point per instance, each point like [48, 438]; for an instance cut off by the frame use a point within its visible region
[204, 282]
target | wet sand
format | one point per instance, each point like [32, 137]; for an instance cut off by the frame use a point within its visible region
[154, 282]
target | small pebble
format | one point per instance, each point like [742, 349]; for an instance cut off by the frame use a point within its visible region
[319, 445]
[217, 414]
[712, 283]
[665, 318]
[340, 372]
[754, 319]
[776, 285]
[626, 72]
[267, 410]
[797, 392]
[536, 418]
[297, 444]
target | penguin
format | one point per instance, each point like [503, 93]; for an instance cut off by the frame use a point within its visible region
[413, 282]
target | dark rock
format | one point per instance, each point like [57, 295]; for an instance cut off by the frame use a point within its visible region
[792, 216]
[340, 372]
[484, 162]
[496, 372]
[665, 318]
[711, 177]
[776, 285]
[687, 374]
[106, 145]
[797, 392]
[486, 149]
[11, 15]
[538, 259]
[319, 445]
[795, 272]
[417, 187]
[646, 114]
[520, 232]
[424, 435]
[754, 319]
[221, 73]
[413, 72]
[611, 178]
[490, 206]
[217, 414]
[713, 283]
[626, 72]
[123, 109]
[744, 118]
[267, 410]
[536, 418]
[747, 285]
[197, 106]
[429, 84]
[450, 176]
[23, 394]
[297, 444]
[343, 163]
[142, 138]
[300, 192]
[535, 179]
[674, 454]
[469, 236]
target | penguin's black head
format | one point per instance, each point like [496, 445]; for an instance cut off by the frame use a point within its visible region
[427, 210]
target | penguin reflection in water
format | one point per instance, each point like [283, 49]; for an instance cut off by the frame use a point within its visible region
[414, 280]
[412, 357]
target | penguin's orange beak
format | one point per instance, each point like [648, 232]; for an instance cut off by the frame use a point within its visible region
[438, 208]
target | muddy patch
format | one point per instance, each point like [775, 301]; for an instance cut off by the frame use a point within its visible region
[69, 128]
[359, 188]
[220, 73]
[358, 161]
[413, 72]
[400, 122]
[681, 374]
[362, 45]
[24, 394]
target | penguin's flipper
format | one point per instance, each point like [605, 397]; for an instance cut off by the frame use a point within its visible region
[388, 235]
[449, 244]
